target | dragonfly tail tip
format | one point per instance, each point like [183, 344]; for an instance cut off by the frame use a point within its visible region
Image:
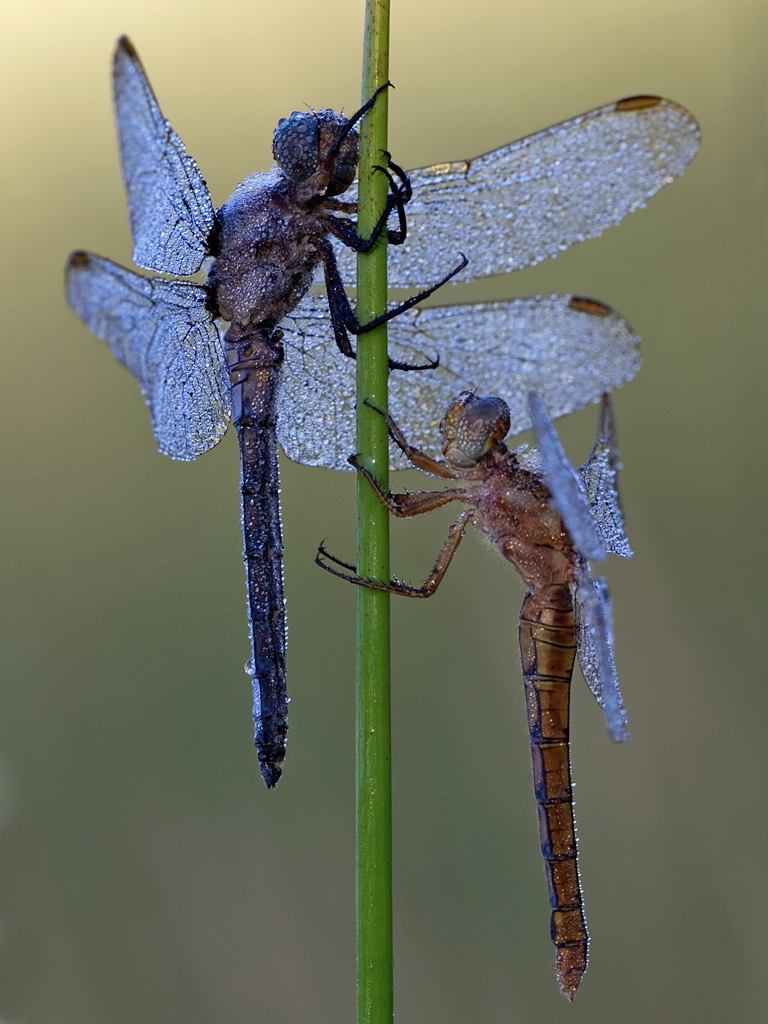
[571, 965]
[271, 773]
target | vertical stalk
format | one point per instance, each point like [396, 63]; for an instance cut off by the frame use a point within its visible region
[374, 793]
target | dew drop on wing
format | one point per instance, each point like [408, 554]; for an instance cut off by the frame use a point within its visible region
[553, 343]
[605, 163]
[599, 476]
[595, 648]
[565, 484]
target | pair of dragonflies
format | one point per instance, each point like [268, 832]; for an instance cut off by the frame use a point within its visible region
[281, 370]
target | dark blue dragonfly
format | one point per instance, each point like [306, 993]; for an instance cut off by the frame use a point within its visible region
[278, 371]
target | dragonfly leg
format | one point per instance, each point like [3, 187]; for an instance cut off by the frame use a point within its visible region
[414, 455]
[407, 191]
[339, 206]
[323, 553]
[414, 300]
[346, 231]
[414, 503]
[395, 586]
[352, 121]
[397, 198]
[406, 194]
[343, 318]
[401, 196]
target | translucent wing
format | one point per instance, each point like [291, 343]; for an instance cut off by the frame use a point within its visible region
[163, 333]
[168, 202]
[530, 200]
[564, 484]
[571, 350]
[599, 477]
[595, 646]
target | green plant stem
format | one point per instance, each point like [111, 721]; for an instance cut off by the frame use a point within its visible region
[374, 790]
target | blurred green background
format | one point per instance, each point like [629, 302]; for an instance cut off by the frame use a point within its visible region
[147, 873]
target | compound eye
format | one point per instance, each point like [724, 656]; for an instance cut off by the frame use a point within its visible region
[296, 145]
[453, 412]
[483, 423]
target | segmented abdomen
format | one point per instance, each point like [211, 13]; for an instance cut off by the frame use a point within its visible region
[547, 651]
[255, 368]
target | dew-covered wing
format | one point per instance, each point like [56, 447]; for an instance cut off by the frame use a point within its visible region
[595, 647]
[570, 350]
[166, 337]
[168, 201]
[316, 400]
[599, 475]
[564, 484]
[530, 200]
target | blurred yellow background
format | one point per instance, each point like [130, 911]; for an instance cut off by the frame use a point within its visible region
[147, 873]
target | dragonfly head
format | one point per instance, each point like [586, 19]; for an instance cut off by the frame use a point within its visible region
[472, 427]
[313, 150]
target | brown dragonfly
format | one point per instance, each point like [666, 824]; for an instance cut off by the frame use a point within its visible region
[549, 522]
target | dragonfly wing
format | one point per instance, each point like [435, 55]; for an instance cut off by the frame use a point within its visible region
[565, 485]
[162, 331]
[316, 401]
[595, 647]
[571, 350]
[168, 201]
[532, 199]
[599, 476]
